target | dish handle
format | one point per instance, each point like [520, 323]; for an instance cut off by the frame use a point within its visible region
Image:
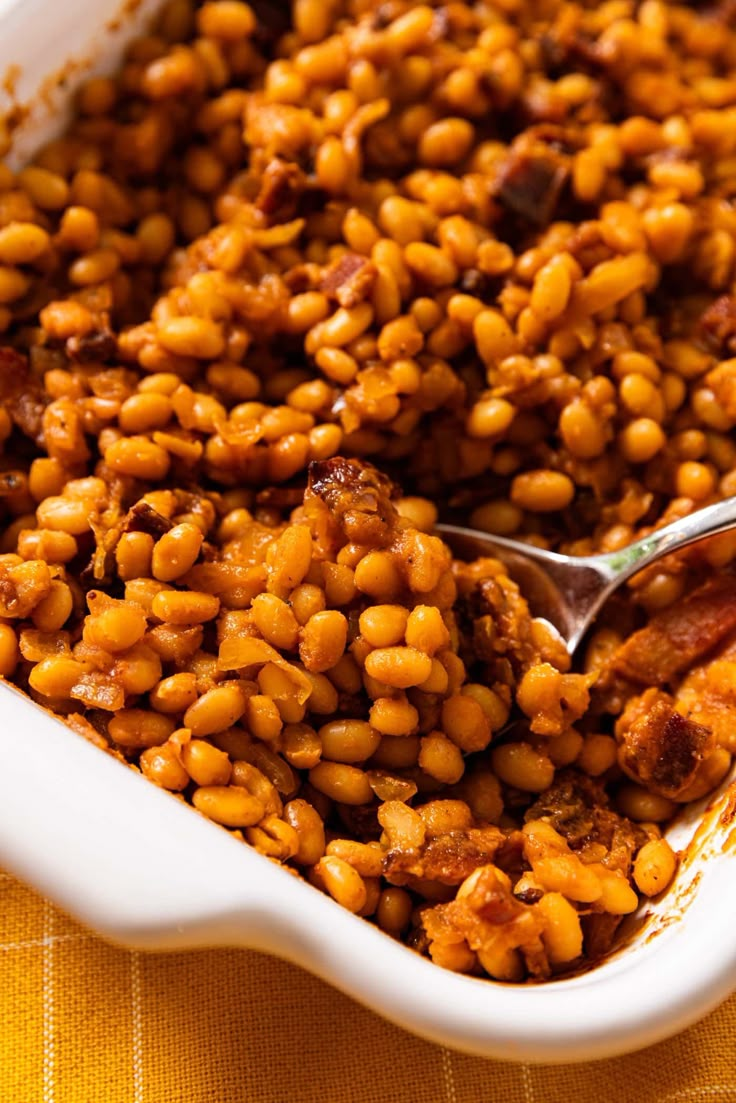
[129, 860]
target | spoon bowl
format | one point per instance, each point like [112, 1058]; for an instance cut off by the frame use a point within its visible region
[569, 591]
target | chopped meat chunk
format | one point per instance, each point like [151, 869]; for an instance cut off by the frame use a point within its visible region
[357, 497]
[659, 747]
[349, 279]
[282, 185]
[531, 184]
[675, 638]
[98, 347]
[144, 518]
[493, 613]
[578, 809]
[448, 858]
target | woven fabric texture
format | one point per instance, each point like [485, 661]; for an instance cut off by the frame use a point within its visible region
[84, 1022]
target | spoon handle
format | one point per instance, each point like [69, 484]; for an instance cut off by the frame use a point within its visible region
[710, 521]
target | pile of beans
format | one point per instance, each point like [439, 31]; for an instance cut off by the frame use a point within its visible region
[291, 284]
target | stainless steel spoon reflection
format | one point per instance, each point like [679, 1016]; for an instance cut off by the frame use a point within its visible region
[569, 591]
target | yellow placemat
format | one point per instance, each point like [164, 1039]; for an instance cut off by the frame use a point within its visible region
[83, 1022]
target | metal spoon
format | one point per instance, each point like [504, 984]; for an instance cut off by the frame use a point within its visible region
[568, 590]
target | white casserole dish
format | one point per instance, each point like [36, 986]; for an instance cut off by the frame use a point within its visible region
[136, 865]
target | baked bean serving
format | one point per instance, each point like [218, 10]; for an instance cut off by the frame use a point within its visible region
[276, 301]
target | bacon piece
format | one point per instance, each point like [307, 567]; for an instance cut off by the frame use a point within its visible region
[97, 690]
[510, 628]
[675, 638]
[531, 184]
[21, 394]
[98, 347]
[349, 279]
[448, 858]
[282, 186]
[358, 501]
[578, 808]
[493, 614]
[659, 747]
[144, 518]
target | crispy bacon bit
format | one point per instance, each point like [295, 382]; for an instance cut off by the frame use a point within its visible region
[358, 501]
[448, 858]
[659, 747]
[675, 638]
[349, 279]
[21, 394]
[98, 347]
[531, 184]
[282, 185]
[578, 808]
[144, 518]
[98, 690]
[499, 630]
[507, 625]
[493, 614]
